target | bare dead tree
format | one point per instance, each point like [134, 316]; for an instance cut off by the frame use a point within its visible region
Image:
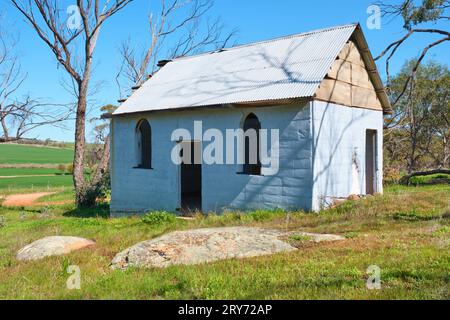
[51, 27]
[11, 79]
[414, 16]
[19, 117]
[22, 117]
[186, 24]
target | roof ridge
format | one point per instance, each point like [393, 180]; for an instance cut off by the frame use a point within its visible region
[294, 35]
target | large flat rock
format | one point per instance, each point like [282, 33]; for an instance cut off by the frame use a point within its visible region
[52, 246]
[207, 245]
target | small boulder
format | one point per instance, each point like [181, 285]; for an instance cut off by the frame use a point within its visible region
[52, 246]
[353, 197]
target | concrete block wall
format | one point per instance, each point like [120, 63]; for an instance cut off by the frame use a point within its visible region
[268, 192]
[339, 140]
[138, 190]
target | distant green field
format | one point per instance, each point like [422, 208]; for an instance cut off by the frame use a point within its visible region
[35, 183]
[5, 172]
[12, 153]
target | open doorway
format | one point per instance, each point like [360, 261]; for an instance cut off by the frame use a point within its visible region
[191, 177]
[371, 161]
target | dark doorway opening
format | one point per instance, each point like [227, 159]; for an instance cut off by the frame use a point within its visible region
[191, 177]
[371, 161]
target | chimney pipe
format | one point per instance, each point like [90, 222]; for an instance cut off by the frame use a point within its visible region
[162, 63]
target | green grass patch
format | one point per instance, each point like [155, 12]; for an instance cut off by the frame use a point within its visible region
[66, 195]
[430, 179]
[412, 253]
[158, 218]
[14, 153]
[6, 172]
[31, 184]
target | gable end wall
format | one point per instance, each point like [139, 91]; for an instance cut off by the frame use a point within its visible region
[348, 82]
[339, 141]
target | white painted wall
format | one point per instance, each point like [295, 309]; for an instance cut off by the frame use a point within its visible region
[339, 137]
[139, 190]
[317, 140]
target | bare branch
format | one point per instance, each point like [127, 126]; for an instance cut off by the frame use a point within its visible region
[414, 14]
[416, 66]
[44, 18]
[182, 21]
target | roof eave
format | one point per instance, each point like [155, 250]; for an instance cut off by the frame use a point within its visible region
[372, 69]
[262, 103]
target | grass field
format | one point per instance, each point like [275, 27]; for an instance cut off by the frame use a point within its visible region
[35, 183]
[405, 232]
[13, 153]
[430, 179]
[24, 177]
[5, 172]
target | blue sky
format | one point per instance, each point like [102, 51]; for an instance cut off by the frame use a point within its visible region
[254, 19]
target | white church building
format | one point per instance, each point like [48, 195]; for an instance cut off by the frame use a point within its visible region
[315, 101]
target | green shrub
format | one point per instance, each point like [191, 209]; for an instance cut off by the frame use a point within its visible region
[69, 168]
[62, 168]
[262, 215]
[414, 215]
[88, 196]
[391, 175]
[159, 218]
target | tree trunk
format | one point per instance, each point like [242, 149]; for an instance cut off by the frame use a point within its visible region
[80, 142]
[5, 129]
[446, 155]
[104, 162]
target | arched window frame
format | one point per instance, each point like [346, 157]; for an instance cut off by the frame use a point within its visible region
[251, 121]
[144, 144]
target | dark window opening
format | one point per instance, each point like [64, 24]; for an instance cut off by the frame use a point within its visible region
[252, 161]
[144, 133]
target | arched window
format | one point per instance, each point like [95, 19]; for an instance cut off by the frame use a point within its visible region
[252, 162]
[144, 144]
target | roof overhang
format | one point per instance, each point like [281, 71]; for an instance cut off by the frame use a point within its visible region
[360, 40]
[252, 104]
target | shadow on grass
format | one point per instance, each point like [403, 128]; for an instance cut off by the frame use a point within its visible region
[101, 210]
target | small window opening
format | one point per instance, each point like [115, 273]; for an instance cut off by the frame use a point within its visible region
[144, 141]
[252, 161]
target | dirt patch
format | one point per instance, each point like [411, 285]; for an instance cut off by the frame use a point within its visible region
[24, 200]
[29, 166]
[28, 176]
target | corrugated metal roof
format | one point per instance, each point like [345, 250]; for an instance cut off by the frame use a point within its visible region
[284, 68]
